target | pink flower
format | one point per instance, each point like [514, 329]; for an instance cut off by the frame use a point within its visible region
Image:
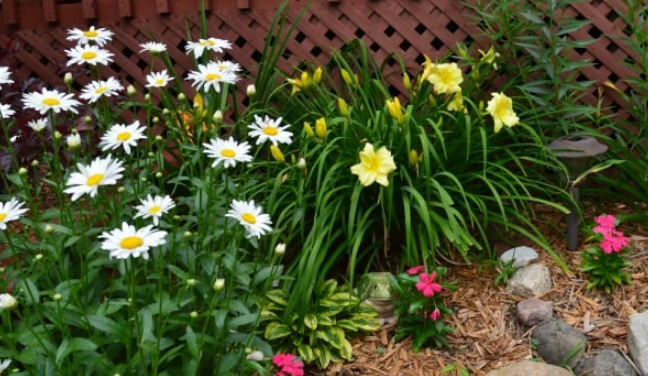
[605, 220]
[415, 270]
[427, 285]
[434, 316]
[614, 242]
[287, 365]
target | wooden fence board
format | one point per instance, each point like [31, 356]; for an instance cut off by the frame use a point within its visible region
[89, 8]
[10, 11]
[49, 10]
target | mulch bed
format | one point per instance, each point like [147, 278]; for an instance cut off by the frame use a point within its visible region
[487, 334]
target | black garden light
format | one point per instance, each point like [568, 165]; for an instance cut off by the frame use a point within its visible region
[576, 153]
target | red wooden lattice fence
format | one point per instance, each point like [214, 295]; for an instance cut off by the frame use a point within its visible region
[409, 27]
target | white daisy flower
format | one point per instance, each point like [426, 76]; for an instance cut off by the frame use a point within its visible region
[154, 207]
[10, 211]
[131, 242]
[122, 135]
[73, 141]
[211, 44]
[8, 302]
[98, 36]
[228, 152]
[87, 53]
[268, 129]
[227, 65]
[38, 124]
[158, 79]
[211, 75]
[50, 100]
[97, 89]
[153, 47]
[4, 365]
[4, 76]
[250, 216]
[6, 111]
[104, 171]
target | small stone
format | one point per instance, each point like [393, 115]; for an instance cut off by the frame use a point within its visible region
[559, 343]
[522, 256]
[638, 340]
[534, 311]
[529, 368]
[605, 362]
[530, 281]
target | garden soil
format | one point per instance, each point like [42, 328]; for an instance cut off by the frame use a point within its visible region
[487, 335]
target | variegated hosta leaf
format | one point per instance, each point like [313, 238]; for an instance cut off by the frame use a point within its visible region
[278, 296]
[275, 330]
[323, 356]
[328, 289]
[310, 320]
[306, 352]
[332, 335]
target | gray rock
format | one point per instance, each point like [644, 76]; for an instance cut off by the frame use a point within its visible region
[530, 281]
[638, 340]
[529, 368]
[605, 362]
[559, 343]
[522, 255]
[534, 311]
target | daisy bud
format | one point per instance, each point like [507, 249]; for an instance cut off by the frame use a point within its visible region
[182, 97]
[254, 355]
[251, 90]
[342, 106]
[317, 75]
[308, 129]
[320, 128]
[191, 282]
[218, 116]
[58, 135]
[143, 180]
[57, 297]
[8, 302]
[2, 270]
[130, 90]
[68, 79]
[156, 120]
[158, 175]
[121, 189]
[38, 256]
[277, 154]
[166, 111]
[280, 249]
[22, 171]
[74, 131]
[73, 141]
[35, 163]
[219, 284]
[159, 138]
[147, 97]
[187, 234]
[176, 217]
[193, 314]
[48, 228]
[301, 163]
[87, 119]
[151, 154]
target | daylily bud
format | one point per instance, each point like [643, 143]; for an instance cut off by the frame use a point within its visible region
[413, 157]
[342, 106]
[277, 154]
[320, 128]
[347, 77]
[406, 82]
[251, 90]
[308, 129]
[395, 110]
[305, 80]
[317, 76]
[219, 284]
[68, 79]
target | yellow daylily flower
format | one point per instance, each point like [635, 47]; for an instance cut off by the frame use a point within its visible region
[374, 166]
[308, 129]
[500, 107]
[277, 154]
[446, 78]
[395, 110]
[456, 104]
[299, 84]
[320, 128]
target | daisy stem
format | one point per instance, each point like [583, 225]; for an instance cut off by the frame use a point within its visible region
[132, 304]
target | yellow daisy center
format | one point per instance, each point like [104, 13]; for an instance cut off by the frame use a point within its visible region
[155, 209]
[51, 102]
[211, 43]
[101, 90]
[90, 33]
[159, 82]
[204, 43]
[228, 153]
[123, 136]
[249, 218]
[131, 242]
[88, 55]
[3, 216]
[212, 76]
[270, 130]
[94, 179]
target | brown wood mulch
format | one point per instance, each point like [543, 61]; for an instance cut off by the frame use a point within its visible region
[487, 336]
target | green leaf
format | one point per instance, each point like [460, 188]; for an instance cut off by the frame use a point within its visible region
[306, 352]
[310, 320]
[332, 335]
[72, 345]
[277, 296]
[190, 337]
[275, 330]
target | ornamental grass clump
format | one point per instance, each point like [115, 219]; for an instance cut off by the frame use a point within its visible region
[604, 261]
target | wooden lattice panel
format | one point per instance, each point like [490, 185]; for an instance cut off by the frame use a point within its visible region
[410, 27]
